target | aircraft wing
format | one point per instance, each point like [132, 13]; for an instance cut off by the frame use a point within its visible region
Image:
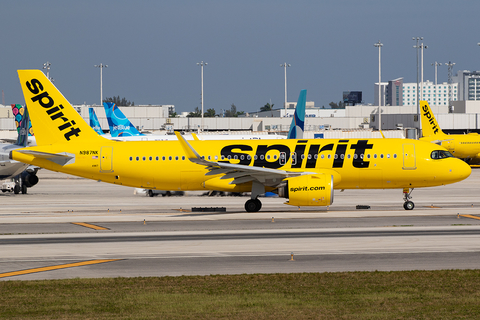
[439, 142]
[239, 173]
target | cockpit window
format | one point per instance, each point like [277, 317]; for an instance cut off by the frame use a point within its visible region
[441, 154]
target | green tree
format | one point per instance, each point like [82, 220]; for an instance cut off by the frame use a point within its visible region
[119, 102]
[267, 107]
[210, 113]
[195, 114]
[340, 105]
[233, 111]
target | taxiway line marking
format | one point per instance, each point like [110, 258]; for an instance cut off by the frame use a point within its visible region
[469, 216]
[50, 268]
[91, 226]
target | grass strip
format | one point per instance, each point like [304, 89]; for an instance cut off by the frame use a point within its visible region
[446, 294]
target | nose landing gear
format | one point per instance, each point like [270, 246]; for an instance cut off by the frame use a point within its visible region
[407, 205]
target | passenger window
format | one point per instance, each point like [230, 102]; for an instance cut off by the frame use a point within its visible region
[150, 158]
[176, 157]
[163, 158]
[143, 158]
[170, 158]
[381, 156]
[183, 157]
[131, 158]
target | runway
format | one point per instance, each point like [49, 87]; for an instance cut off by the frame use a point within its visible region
[140, 236]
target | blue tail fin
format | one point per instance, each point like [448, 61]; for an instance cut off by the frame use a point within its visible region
[298, 121]
[18, 112]
[119, 125]
[94, 123]
[22, 139]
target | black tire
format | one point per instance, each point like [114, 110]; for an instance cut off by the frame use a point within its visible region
[24, 189]
[16, 189]
[253, 205]
[408, 205]
[150, 193]
[259, 204]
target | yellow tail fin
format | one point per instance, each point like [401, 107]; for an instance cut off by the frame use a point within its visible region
[430, 125]
[53, 117]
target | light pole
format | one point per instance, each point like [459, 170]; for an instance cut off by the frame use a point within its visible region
[201, 64]
[379, 45]
[285, 65]
[101, 66]
[46, 66]
[436, 64]
[422, 46]
[418, 94]
[450, 65]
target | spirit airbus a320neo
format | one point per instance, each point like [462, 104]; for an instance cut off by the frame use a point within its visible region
[304, 171]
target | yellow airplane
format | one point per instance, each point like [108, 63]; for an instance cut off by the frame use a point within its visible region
[462, 146]
[304, 171]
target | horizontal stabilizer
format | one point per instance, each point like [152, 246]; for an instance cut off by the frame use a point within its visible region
[62, 158]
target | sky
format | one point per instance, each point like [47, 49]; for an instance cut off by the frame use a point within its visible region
[152, 48]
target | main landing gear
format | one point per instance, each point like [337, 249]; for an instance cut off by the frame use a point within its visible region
[407, 205]
[254, 205]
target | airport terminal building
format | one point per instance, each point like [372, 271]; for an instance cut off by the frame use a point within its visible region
[456, 106]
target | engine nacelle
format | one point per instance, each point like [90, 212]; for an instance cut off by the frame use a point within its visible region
[309, 190]
[29, 179]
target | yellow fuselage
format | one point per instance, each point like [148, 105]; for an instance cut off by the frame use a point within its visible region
[354, 163]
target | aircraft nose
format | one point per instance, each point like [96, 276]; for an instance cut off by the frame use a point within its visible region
[461, 170]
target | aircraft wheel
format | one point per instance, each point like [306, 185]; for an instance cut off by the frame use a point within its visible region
[253, 205]
[150, 193]
[259, 204]
[408, 205]
[24, 189]
[16, 189]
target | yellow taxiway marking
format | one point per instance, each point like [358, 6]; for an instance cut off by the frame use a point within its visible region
[60, 266]
[88, 225]
[469, 216]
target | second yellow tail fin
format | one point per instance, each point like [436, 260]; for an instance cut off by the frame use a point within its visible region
[430, 125]
[54, 119]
